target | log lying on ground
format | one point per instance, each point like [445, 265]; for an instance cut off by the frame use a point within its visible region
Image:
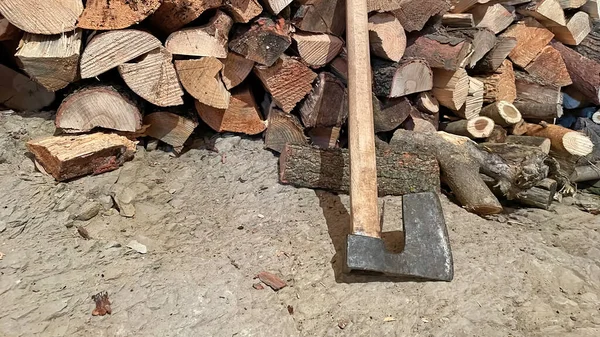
[474, 101]
[451, 88]
[8, 31]
[578, 27]
[476, 127]
[531, 37]
[42, 17]
[396, 79]
[111, 49]
[326, 105]
[169, 128]
[546, 11]
[585, 173]
[321, 16]
[283, 128]
[584, 73]
[243, 10]
[500, 85]
[389, 114]
[386, 37]
[20, 93]
[52, 60]
[207, 40]
[462, 20]
[592, 7]
[174, 14]
[495, 57]
[414, 14]
[398, 172]
[540, 142]
[495, 17]
[549, 67]
[154, 78]
[67, 157]
[235, 69]
[535, 99]
[440, 51]
[98, 106]
[502, 113]
[540, 196]
[264, 42]
[201, 79]
[563, 140]
[325, 138]
[109, 15]
[317, 49]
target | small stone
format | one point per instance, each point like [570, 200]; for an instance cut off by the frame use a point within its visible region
[138, 247]
[152, 145]
[342, 324]
[239, 227]
[573, 318]
[112, 244]
[261, 216]
[106, 201]
[226, 143]
[2, 226]
[271, 280]
[88, 211]
[258, 286]
[124, 200]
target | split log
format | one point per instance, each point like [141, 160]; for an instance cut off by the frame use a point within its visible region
[325, 138]
[494, 17]
[567, 4]
[113, 48]
[339, 66]
[577, 28]
[154, 78]
[283, 128]
[535, 99]
[549, 67]
[68, 157]
[531, 37]
[172, 15]
[391, 79]
[98, 107]
[592, 7]
[42, 17]
[440, 51]
[20, 93]
[451, 88]
[321, 16]
[584, 73]
[417, 124]
[502, 113]
[288, 81]
[317, 49]
[389, 114]
[545, 11]
[590, 46]
[242, 115]
[462, 20]
[243, 11]
[264, 42]
[500, 85]
[8, 31]
[427, 103]
[498, 135]
[585, 173]
[540, 142]
[474, 101]
[563, 140]
[495, 57]
[327, 103]
[169, 128]
[386, 37]
[52, 60]
[476, 127]
[276, 6]
[414, 14]
[596, 117]
[483, 40]
[109, 15]
[207, 40]
[235, 69]
[201, 79]
[398, 173]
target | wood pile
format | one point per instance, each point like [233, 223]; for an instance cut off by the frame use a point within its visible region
[491, 90]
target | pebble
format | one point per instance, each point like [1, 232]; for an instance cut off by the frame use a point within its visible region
[138, 247]
[2, 226]
[106, 201]
[112, 244]
[88, 211]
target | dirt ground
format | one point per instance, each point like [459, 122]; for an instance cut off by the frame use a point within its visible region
[212, 221]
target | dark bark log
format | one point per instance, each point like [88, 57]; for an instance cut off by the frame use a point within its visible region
[397, 79]
[584, 72]
[326, 105]
[389, 114]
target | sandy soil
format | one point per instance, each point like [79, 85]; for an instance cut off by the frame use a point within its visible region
[212, 221]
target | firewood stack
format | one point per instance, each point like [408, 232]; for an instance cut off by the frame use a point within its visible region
[501, 84]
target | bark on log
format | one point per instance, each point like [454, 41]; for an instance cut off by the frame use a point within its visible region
[502, 113]
[531, 37]
[549, 67]
[207, 40]
[584, 73]
[545, 11]
[386, 37]
[577, 28]
[500, 85]
[495, 57]
[440, 51]
[235, 70]
[391, 79]
[283, 128]
[476, 127]
[321, 16]
[474, 102]
[451, 88]
[42, 17]
[563, 140]
[317, 49]
[585, 173]
[590, 46]
[326, 105]
[109, 15]
[495, 17]
[389, 114]
[536, 100]
[243, 11]
[540, 196]
[169, 128]
[20, 93]
[201, 79]
[172, 15]
[540, 142]
[264, 42]
[462, 20]
[414, 14]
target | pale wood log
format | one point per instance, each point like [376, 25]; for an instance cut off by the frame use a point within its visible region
[235, 69]
[406, 77]
[495, 57]
[317, 49]
[451, 88]
[113, 48]
[563, 140]
[19, 92]
[321, 16]
[8, 31]
[531, 37]
[386, 37]
[109, 15]
[201, 79]
[585, 173]
[283, 128]
[325, 138]
[42, 17]
[576, 29]
[476, 127]
[500, 85]
[276, 6]
[483, 40]
[327, 103]
[440, 51]
[536, 99]
[51, 60]
[545, 11]
[592, 7]
[540, 142]
[414, 14]
[427, 103]
[566, 4]
[389, 114]
[494, 17]
[207, 40]
[243, 10]
[462, 20]
[263, 42]
[584, 72]
[474, 101]
[169, 128]
[172, 15]
[549, 67]
[502, 113]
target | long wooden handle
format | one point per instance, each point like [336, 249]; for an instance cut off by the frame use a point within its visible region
[363, 172]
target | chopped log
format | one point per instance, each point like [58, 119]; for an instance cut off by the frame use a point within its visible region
[8, 31]
[494, 17]
[495, 57]
[109, 15]
[568, 4]
[498, 135]
[573, 99]
[500, 85]
[476, 127]
[288, 81]
[502, 113]
[462, 20]
[545, 11]
[427, 103]
[417, 124]
[391, 79]
[398, 173]
[538, 196]
[563, 140]
[474, 101]
[549, 67]
[389, 114]
[325, 138]
[98, 107]
[440, 51]
[317, 49]
[414, 14]
[52, 60]
[276, 6]
[321, 16]
[339, 66]
[235, 69]
[577, 28]
[386, 37]
[540, 142]
[72, 156]
[535, 99]
[531, 37]
[113, 48]
[584, 73]
[451, 88]
[243, 11]
[42, 17]
[169, 128]
[207, 40]
[263, 42]
[590, 46]
[383, 5]
[483, 40]
[242, 115]
[172, 15]
[461, 6]
[327, 103]
[585, 173]
[283, 128]
[201, 79]
[592, 7]
[20, 93]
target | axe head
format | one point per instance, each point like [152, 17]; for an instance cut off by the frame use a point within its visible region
[426, 254]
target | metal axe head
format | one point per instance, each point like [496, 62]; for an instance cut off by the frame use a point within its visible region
[426, 254]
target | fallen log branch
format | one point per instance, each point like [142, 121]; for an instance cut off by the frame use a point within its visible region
[563, 140]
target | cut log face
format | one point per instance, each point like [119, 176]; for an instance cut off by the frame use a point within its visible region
[502, 113]
[20, 93]
[386, 37]
[439, 51]
[327, 103]
[427, 103]
[200, 78]
[317, 49]
[474, 101]
[545, 11]
[414, 14]
[242, 115]
[154, 78]
[563, 140]
[8, 31]
[208, 40]
[494, 58]
[283, 128]
[531, 37]
[263, 42]
[476, 127]
[325, 138]
[52, 60]
[169, 128]
[113, 48]
[549, 67]
[500, 86]
[462, 20]
[243, 10]
[174, 14]
[584, 73]
[321, 16]
[494, 17]
[98, 107]
[109, 15]
[541, 142]
[42, 17]
[400, 79]
[235, 69]
[451, 88]
[276, 6]
[578, 27]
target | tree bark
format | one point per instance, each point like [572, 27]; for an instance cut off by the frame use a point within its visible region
[389, 114]
[584, 72]
[549, 67]
[326, 105]
[414, 14]
[536, 100]
[109, 15]
[440, 51]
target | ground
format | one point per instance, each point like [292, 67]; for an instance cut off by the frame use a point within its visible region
[212, 221]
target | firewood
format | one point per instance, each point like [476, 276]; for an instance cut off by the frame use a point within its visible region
[451, 88]
[325, 138]
[169, 128]
[417, 124]
[540, 142]
[462, 20]
[545, 11]
[440, 51]
[276, 6]
[98, 106]
[72, 156]
[42, 17]
[283, 128]
[389, 114]
[242, 115]
[495, 57]
[413, 14]
[592, 7]
[474, 101]
[540, 196]
[386, 37]
[321, 16]
[288, 81]
[398, 173]
[243, 10]
[483, 40]
[383, 5]
[396, 79]
[52, 60]
[596, 117]
[427, 103]
[20, 93]
[590, 46]
[531, 37]
[113, 48]
[500, 85]
[495, 17]
[8, 31]
[109, 15]
[476, 127]
[566, 4]
[263, 42]
[585, 173]
[584, 73]
[576, 29]
[326, 105]
[502, 113]
[207, 40]
[563, 140]
[235, 69]
[536, 99]
[498, 135]
[317, 49]
[172, 15]
[549, 67]
[201, 79]
[339, 66]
